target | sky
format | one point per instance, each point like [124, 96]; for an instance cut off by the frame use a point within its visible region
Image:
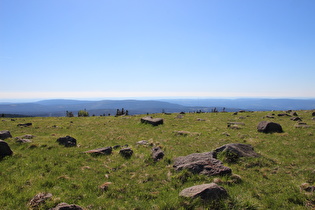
[79, 49]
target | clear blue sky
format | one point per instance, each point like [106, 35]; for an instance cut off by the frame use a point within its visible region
[157, 48]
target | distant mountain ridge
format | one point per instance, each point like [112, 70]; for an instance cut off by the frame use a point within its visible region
[58, 107]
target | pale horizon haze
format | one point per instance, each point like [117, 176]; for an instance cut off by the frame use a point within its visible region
[80, 49]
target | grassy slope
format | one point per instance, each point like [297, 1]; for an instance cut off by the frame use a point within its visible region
[271, 181]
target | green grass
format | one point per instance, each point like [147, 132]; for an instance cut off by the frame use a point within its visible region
[269, 182]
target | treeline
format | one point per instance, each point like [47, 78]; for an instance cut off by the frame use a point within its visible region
[85, 113]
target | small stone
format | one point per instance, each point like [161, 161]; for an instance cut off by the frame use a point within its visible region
[157, 153]
[39, 199]
[143, 142]
[18, 140]
[105, 186]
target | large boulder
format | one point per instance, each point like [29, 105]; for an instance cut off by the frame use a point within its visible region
[5, 134]
[67, 141]
[210, 191]
[237, 150]
[100, 151]
[201, 163]
[313, 114]
[152, 121]
[5, 150]
[269, 127]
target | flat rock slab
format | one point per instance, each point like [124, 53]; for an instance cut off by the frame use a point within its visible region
[25, 124]
[18, 140]
[101, 151]
[269, 127]
[210, 191]
[152, 121]
[239, 150]
[201, 163]
[5, 150]
[5, 134]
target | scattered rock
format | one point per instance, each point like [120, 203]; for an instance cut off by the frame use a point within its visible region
[201, 163]
[283, 114]
[268, 116]
[18, 140]
[67, 141]
[295, 119]
[313, 114]
[185, 113]
[27, 136]
[157, 153]
[152, 121]
[100, 151]
[180, 116]
[116, 146]
[210, 191]
[235, 123]
[235, 179]
[307, 187]
[5, 134]
[199, 119]
[105, 186]
[294, 114]
[235, 127]
[182, 133]
[269, 127]
[39, 199]
[236, 150]
[65, 206]
[302, 125]
[25, 124]
[226, 134]
[126, 152]
[5, 150]
[143, 142]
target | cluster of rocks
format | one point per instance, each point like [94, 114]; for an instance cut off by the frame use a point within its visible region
[207, 164]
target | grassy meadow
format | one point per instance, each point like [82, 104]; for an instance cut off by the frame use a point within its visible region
[271, 181]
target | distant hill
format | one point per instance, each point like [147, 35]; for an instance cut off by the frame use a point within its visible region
[250, 104]
[58, 107]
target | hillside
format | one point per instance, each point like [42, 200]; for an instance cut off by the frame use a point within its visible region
[281, 177]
